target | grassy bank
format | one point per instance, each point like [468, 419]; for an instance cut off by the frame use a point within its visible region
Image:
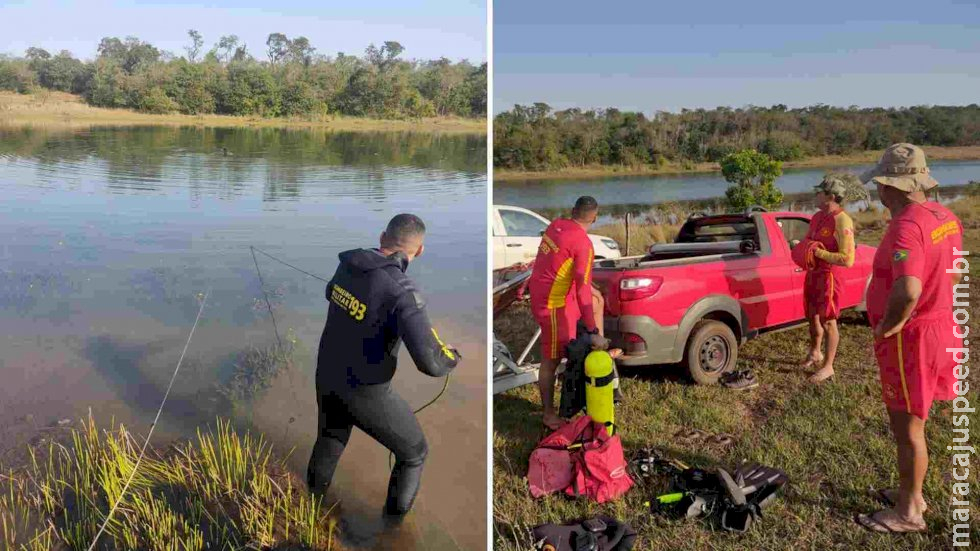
[61, 110]
[220, 491]
[833, 440]
[966, 153]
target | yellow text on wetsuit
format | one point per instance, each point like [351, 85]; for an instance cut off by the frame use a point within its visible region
[343, 298]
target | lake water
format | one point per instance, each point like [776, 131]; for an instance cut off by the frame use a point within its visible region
[108, 235]
[550, 195]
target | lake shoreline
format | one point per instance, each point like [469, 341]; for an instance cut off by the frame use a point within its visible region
[68, 111]
[596, 172]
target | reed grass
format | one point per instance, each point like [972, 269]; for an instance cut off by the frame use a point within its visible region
[221, 490]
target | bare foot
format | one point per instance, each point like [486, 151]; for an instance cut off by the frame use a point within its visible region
[552, 421]
[890, 497]
[890, 521]
[822, 375]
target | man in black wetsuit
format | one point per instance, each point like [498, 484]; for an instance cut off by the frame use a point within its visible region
[374, 306]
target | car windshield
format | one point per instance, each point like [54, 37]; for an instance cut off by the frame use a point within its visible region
[521, 224]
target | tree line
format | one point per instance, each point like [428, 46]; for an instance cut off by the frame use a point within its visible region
[292, 79]
[534, 137]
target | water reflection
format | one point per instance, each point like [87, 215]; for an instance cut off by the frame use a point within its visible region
[289, 164]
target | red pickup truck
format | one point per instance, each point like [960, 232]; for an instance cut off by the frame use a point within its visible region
[726, 279]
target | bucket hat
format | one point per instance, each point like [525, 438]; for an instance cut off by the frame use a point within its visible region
[902, 166]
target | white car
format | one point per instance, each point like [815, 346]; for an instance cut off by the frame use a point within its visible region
[517, 235]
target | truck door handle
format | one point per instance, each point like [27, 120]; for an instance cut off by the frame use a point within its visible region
[513, 244]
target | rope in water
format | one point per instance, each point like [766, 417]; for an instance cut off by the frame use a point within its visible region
[153, 425]
[266, 295]
[254, 249]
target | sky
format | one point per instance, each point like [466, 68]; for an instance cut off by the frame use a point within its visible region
[428, 29]
[665, 56]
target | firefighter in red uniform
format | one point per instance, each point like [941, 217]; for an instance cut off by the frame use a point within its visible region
[832, 234]
[563, 272]
[910, 306]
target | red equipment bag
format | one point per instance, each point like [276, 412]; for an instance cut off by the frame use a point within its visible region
[581, 459]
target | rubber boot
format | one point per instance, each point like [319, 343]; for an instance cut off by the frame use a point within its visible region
[403, 486]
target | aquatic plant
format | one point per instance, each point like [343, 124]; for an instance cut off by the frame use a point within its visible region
[220, 490]
[255, 368]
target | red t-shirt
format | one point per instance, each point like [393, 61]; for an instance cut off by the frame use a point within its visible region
[564, 262]
[919, 243]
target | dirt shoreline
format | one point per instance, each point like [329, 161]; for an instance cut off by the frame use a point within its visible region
[68, 111]
[934, 153]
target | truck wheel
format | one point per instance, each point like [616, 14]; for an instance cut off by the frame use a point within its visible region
[711, 351]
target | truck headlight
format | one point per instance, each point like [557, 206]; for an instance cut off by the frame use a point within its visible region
[610, 243]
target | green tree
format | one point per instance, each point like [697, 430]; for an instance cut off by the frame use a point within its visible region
[197, 41]
[16, 75]
[226, 47]
[300, 51]
[34, 55]
[277, 47]
[754, 175]
[385, 56]
[61, 72]
[190, 87]
[104, 88]
[130, 54]
[476, 83]
[299, 98]
[251, 91]
[418, 107]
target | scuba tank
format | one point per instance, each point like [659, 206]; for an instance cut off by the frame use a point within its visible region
[599, 389]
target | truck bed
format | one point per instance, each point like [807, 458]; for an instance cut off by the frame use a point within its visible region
[670, 254]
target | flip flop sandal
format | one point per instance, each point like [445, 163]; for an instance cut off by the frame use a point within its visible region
[721, 439]
[690, 436]
[871, 522]
[810, 362]
[884, 497]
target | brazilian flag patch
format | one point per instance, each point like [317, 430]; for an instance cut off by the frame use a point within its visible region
[900, 255]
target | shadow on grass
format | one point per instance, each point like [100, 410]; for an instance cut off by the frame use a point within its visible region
[518, 421]
[661, 373]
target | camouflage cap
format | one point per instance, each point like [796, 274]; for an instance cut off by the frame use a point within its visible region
[832, 184]
[902, 166]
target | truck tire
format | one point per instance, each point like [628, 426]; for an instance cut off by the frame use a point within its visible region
[711, 351]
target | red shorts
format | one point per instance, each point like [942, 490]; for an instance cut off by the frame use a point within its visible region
[821, 294]
[557, 328]
[915, 368]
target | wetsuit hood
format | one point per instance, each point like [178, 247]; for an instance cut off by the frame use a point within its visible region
[366, 260]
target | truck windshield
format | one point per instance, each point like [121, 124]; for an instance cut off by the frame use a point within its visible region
[717, 231]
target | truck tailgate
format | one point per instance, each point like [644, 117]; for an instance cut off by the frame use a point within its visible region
[607, 281]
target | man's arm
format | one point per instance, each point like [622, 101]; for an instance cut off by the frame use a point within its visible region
[844, 233]
[901, 301]
[430, 354]
[582, 259]
[908, 265]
